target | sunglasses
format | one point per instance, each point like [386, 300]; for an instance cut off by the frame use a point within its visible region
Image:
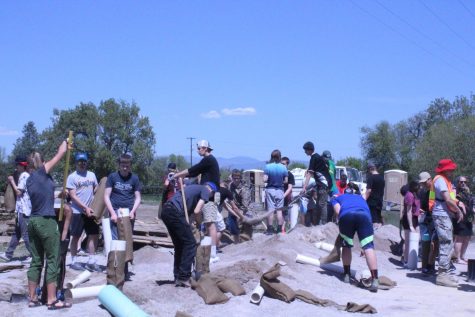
[463, 182]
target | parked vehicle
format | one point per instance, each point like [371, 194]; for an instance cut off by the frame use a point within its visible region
[354, 176]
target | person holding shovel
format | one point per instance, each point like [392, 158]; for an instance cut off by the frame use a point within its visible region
[175, 216]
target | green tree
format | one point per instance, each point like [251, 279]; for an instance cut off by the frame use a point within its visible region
[378, 145]
[28, 143]
[351, 162]
[5, 169]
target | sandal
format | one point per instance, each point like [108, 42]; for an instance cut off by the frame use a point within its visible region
[54, 305]
[34, 303]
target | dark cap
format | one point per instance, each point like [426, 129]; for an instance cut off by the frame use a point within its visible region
[327, 154]
[172, 166]
[21, 160]
[370, 164]
[309, 146]
[81, 156]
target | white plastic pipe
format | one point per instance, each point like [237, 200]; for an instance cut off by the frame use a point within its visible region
[307, 260]
[414, 238]
[256, 295]
[107, 234]
[83, 292]
[79, 279]
[118, 245]
[294, 215]
[324, 246]
[328, 267]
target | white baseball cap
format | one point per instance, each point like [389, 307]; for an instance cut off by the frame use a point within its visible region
[204, 143]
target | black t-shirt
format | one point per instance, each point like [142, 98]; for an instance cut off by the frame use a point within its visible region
[224, 194]
[208, 167]
[424, 198]
[40, 187]
[375, 182]
[318, 164]
[123, 190]
[291, 181]
[193, 193]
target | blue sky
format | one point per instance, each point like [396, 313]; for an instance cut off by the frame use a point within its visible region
[249, 76]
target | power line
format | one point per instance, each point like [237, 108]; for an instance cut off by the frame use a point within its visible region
[446, 24]
[407, 38]
[423, 34]
[467, 9]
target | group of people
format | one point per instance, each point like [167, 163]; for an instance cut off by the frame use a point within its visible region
[37, 218]
[443, 215]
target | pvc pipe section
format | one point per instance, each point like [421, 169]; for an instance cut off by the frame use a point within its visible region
[118, 304]
[83, 292]
[413, 250]
[79, 279]
[206, 241]
[328, 267]
[107, 234]
[256, 295]
[324, 246]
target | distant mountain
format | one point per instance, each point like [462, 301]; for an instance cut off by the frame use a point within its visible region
[241, 162]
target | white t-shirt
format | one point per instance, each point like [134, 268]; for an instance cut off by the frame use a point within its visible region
[84, 185]
[23, 203]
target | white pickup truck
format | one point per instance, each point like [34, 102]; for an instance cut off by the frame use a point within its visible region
[354, 176]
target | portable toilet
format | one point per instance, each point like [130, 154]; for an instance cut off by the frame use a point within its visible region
[255, 178]
[394, 180]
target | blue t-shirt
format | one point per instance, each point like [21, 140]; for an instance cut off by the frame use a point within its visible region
[351, 203]
[123, 190]
[276, 173]
[40, 187]
[193, 193]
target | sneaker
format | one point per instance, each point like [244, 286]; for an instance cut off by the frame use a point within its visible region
[77, 266]
[374, 285]
[444, 279]
[214, 259]
[269, 232]
[182, 283]
[27, 260]
[346, 278]
[93, 267]
[4, 257]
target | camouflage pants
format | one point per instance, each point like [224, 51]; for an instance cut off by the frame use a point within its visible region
[444, 229]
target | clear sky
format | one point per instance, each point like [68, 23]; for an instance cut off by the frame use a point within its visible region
[249, 76]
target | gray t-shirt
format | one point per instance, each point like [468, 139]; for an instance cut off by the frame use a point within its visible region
[193, 193]
[40, 187]
[440, 206]
[84, 184]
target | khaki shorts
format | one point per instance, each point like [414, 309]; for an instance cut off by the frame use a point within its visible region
[210, 212]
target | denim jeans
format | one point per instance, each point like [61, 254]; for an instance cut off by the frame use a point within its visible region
[21, 231]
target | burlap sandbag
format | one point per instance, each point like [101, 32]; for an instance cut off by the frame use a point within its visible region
[98, 204]
[115, 269]
[208, 290]
[356, 308]
[182, 314]
[335, 254]
[124, 227]
[229, 285]
[275, 288]
[309, 298]
[246, 231]
[203, 254]
[9, 199]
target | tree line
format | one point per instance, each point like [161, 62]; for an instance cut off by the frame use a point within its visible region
[446, 129]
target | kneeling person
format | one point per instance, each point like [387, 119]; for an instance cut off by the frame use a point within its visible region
[173, 216]
[354, 216]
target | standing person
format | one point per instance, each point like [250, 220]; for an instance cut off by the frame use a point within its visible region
[122, 191]
[275, 175]
[317, 168]
[173, 216]
[429, 235]
[208, 167]
[374, 194]
[327, 156]
[410, 215]
[288, 186]
[444, 205]
[171, 185]
[81, 185]
[43, 229]
[242, 199]
[22, 209]
[354, 216]
[342, 183]
[463, 230]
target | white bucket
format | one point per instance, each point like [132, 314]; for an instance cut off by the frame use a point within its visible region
[414, 238]
[294, 215]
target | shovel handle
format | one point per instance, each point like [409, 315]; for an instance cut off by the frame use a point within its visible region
[184, 199]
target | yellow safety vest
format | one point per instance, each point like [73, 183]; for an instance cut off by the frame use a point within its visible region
[432, 198]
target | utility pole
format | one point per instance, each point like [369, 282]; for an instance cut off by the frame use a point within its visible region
[191, 149]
